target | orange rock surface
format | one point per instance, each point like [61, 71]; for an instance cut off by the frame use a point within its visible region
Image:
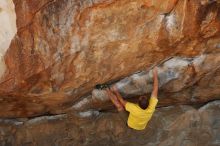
[64, 48]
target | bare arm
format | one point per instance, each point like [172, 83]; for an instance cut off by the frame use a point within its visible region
[155, 86]
[118, 95]
[114, 100]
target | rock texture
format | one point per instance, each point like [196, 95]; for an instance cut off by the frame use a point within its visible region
[170, 126]
[182, 81]
[63, 48]
[8, 29]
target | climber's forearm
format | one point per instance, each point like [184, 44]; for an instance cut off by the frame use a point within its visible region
[155, 88]
[114, 100]
[112, 97]
[155, 85]
[122, 101]
[118, 95]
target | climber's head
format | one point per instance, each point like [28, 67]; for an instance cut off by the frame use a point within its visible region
[143, 102]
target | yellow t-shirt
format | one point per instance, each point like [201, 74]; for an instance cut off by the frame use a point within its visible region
[138, 117]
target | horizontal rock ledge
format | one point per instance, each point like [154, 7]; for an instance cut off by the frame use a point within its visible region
[181, 81]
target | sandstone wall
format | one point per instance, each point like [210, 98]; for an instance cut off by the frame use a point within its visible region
[63, 48]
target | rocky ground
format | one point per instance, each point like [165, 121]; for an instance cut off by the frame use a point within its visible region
[170, 126]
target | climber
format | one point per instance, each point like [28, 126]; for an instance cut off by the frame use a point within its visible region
[141, 113]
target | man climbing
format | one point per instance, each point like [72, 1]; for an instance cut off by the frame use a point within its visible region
[141, 113]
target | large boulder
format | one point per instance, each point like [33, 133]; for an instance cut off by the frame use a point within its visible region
[63, 48]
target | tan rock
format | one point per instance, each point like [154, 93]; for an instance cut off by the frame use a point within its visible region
[7, 31]
[64, 48]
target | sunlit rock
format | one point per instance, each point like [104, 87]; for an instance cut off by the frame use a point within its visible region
[64, 48]
[8, 29]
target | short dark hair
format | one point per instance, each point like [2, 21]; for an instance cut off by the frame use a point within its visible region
[143, 102]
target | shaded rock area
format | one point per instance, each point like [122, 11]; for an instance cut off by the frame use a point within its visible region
[181, 80]
[170, 126]
[63, 48]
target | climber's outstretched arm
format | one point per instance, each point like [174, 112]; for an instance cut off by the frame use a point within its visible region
[114, 99]
[118, 95]
[155, 86]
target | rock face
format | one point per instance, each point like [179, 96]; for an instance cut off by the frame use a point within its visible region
[64, 48]
[8, 29]
[182, 81]
[170, 126]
